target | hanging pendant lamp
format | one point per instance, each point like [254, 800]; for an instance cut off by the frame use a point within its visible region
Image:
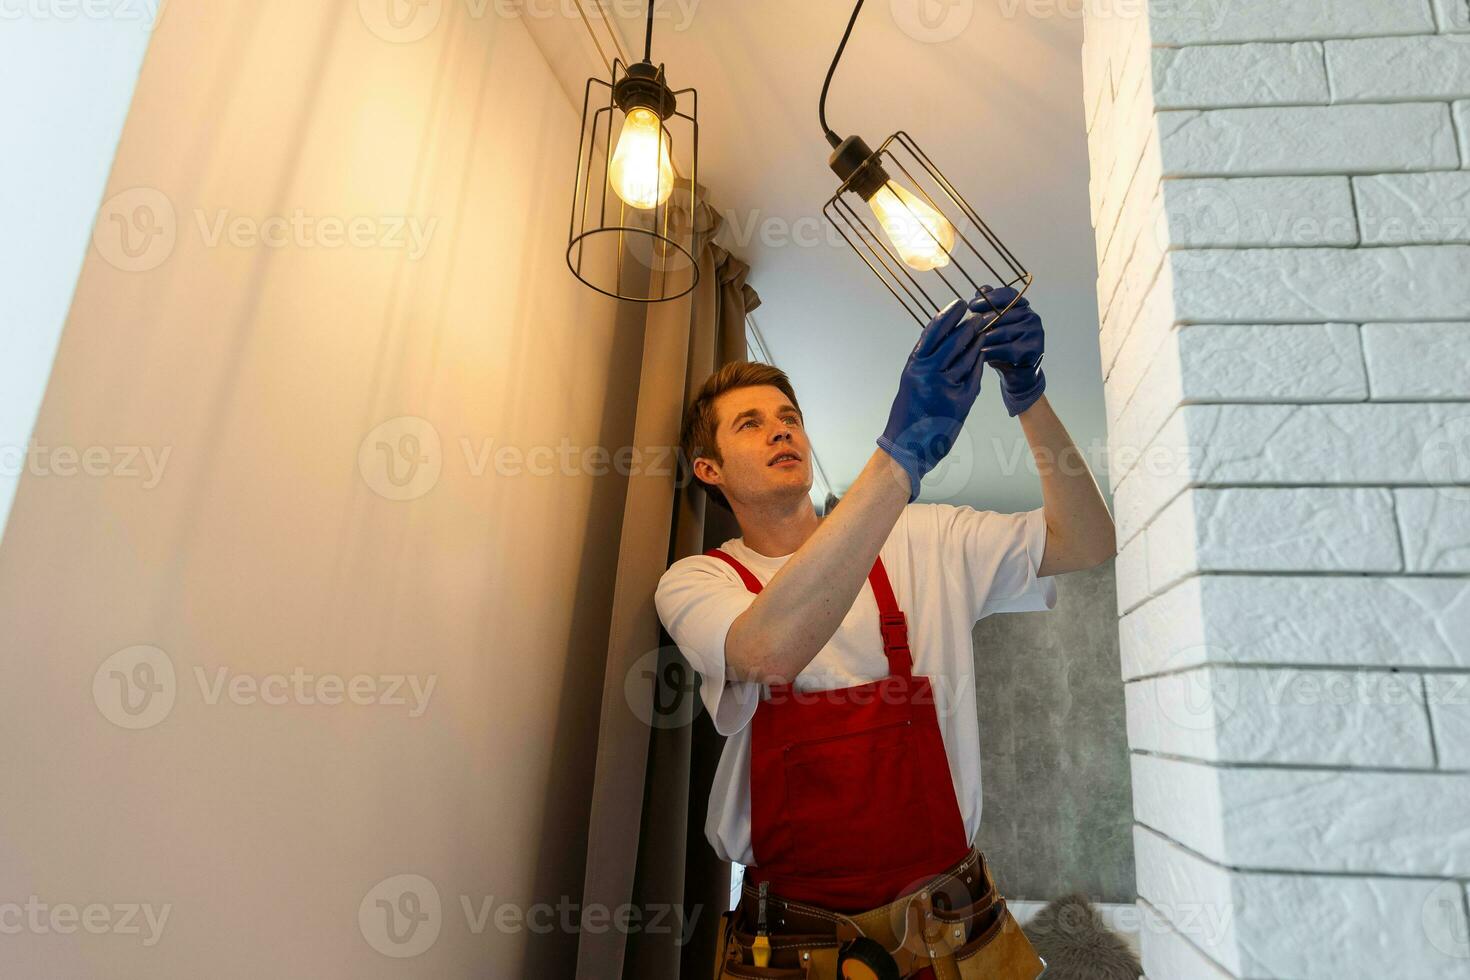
[904, 218]
[632, 229]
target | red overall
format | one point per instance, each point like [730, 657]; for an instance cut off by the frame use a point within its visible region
[851, 800]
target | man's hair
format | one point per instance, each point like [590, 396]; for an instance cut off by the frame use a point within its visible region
[697, 436]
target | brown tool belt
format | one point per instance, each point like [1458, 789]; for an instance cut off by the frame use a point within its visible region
[957, 923]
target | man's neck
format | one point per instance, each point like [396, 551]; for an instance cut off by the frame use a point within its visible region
[780, 530]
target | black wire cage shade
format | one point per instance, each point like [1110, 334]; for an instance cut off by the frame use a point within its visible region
[907, 222]
[632, 227]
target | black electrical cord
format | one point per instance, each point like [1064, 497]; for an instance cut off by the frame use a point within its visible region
[648, 37]
[832, 137]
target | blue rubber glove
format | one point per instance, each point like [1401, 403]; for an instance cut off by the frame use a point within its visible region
[938, 385]
[1013, 345]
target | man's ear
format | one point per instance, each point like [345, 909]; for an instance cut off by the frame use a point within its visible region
[706, 470]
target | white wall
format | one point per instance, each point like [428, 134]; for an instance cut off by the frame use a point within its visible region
[1282, 207]
[69, 71]
[254, 370]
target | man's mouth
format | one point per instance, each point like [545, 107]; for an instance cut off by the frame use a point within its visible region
[785, 457]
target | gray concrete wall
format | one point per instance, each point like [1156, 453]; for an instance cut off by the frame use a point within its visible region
[1058, 807]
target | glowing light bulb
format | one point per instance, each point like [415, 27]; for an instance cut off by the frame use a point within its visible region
[921, 234]
[641, 170]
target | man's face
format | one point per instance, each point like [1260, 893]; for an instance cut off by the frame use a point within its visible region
[757, 427]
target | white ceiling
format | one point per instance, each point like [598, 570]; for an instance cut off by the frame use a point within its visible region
[992, 93]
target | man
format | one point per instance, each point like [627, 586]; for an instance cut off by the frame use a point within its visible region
[835, 654]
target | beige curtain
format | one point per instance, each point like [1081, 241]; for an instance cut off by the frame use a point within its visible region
[656, 758]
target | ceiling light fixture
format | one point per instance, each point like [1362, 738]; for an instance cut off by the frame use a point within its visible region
[930, 229]
[631, 234]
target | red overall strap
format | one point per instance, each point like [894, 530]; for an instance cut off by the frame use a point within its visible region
[891, 621]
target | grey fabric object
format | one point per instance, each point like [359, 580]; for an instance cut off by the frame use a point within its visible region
[645, 842]
[1070, 935]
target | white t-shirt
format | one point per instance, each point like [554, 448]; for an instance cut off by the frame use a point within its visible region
[949, 567]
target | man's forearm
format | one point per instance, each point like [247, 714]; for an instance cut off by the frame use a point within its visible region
[1080, 532]
[801, 607]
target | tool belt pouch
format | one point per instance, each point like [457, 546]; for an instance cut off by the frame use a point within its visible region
[999, 951]
[793, 957]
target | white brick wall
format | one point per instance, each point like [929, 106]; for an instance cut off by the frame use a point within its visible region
[1281, 203]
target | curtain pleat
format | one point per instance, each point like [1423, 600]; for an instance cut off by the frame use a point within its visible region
[646, 838]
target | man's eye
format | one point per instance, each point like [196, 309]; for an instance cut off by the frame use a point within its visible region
[793, 419]
[747, 422]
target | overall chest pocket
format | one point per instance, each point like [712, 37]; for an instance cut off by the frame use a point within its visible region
[847, 796]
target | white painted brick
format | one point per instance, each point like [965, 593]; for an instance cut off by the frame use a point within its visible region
[1159, 475]
[1289, 925]
[1244, 445]
[1138, 242]
[1415, 209]
[1281, 715]
[1196, 897]
[1462, 127]
[1384, 69]
[1133, 158]
[1435, 525]
[1247, 362]
[1449, 706]
[1308, 820]
[1136, 330]
[1259, 211]
[1453, 15]
[1173, 22]
[1165, 953]
[1131, 571]
[1418, 360]
[1169, 627]
[1115, 142]
[1314, 285]
[1273, 529]
[1306, 140]
[1346, 621]
[1240, 362]
[1210, 76]
[1352, 443]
